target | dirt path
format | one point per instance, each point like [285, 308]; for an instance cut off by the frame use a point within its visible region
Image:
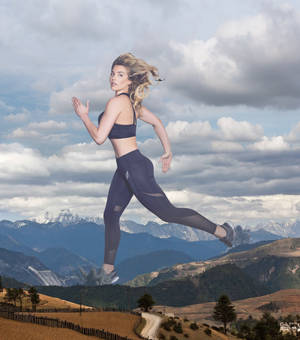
[152, 325]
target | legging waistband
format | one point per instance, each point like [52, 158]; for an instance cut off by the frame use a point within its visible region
[130, 156]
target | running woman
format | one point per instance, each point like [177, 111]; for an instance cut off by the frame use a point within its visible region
[129, 79]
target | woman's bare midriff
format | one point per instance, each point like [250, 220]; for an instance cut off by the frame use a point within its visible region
[124, 145]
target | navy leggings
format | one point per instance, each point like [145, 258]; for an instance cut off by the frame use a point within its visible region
[135, 175]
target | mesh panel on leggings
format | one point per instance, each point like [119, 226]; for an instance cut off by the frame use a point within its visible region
[156, 194]
[196, 221]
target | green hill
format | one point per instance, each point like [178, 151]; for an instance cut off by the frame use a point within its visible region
[280, 249]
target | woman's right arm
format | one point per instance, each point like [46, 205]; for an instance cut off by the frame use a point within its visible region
[150, 118]
[111, 113]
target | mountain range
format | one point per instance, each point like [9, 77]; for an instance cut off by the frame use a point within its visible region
[166, 230]
[67, 242]
[64, 248]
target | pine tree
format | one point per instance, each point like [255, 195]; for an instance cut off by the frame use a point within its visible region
[34, 297]
[21, 295]
[224, 311]
[146, 302]
[267, 327]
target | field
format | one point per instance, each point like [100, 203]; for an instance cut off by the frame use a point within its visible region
[288, 300]
[17, 330]
[115, 322]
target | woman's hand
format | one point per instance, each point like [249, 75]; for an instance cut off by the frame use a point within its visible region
[166, 161]
[79, 108]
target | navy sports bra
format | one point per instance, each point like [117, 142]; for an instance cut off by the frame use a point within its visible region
[122, 130]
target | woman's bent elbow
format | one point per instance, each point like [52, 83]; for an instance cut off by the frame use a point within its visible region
[99, 141]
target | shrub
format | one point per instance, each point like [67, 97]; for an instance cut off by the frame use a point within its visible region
[186, 335]
[207, 331]
[215, 328]
[166, 326]
[173, 337]
[205, 324]
[161, 336]
[178, 328]
[194, 326]
[185, 319]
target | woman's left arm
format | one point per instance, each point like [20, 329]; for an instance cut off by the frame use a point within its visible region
[150, 118]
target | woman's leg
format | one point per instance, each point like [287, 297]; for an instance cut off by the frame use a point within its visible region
[142, 182]
[119, 196]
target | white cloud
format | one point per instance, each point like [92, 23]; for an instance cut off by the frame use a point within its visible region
[23, 133]
[276, 143]
[17, 162]
[18, 117]
[241, 131]
[48, 125]
[225, 146]
[182, 130]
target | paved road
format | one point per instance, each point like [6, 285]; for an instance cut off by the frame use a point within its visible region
[152, 325]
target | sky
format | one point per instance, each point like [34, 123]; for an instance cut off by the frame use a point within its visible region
[230, 103]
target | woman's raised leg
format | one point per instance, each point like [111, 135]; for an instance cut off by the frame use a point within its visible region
[148, 192]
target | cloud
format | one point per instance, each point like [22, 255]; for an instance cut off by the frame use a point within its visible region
[271, 144]
[243, 64]
[47, 125]
[182, 130]
[18, 117]
[217, 179]
[18, 163]
[239, 130]
[87, 89]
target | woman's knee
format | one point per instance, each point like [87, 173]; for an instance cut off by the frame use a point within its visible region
[112, 214]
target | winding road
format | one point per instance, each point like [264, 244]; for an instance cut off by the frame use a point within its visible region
[151, 327]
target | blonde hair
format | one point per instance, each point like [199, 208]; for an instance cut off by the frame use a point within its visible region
[138, 72]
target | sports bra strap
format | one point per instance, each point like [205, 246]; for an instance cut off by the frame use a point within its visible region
[127, 94]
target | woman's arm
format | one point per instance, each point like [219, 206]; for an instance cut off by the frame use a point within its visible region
[111, 113]
[150, 118]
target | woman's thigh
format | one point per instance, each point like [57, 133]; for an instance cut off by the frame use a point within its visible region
[144, 186]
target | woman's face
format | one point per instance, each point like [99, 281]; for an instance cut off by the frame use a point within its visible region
[119, 81]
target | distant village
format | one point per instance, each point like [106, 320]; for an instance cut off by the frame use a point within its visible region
[290, 327]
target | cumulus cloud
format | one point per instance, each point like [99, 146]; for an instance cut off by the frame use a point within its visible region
[218, 180]
[18, 162]
[44, 132]
[239, 130]
[23, 133]
[182, 130]
[17, 117]
[48, 125]
[243, 63]
[276, 143]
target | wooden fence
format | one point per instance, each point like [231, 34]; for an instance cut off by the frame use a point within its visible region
[52, 322]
